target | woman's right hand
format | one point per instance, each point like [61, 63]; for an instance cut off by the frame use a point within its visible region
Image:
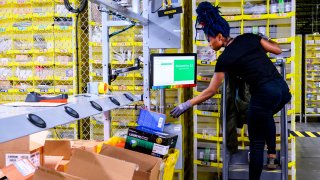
[180, 109]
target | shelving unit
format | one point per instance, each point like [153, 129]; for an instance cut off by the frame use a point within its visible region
[276, 20]
[36, 52]
[124, 48]
[312, 77]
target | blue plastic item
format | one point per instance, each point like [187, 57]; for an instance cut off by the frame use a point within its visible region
[151, 120]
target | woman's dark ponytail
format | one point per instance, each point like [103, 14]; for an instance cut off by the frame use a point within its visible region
[211, 20]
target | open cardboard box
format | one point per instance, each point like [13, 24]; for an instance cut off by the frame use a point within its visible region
[22, 169]
[149, 166]
[90, 166]
[49, 174]
[64, 148]
[28, 147]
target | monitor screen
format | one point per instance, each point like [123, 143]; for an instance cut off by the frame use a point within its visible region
[173, 70]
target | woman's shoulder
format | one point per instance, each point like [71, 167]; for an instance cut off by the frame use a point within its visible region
[247, 36]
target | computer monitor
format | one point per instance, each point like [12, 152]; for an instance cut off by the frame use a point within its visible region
[177, 70]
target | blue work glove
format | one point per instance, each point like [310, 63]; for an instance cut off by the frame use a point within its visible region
[180, 109]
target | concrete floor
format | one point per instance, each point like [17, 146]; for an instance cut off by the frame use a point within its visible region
[308, 153]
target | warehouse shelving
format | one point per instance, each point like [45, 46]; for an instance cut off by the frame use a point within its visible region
[269, 18]
[37, 53]
[123, 48]
[312, 77]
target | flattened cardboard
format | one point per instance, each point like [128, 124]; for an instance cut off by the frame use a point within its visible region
[93, 166]
[49, 174]
[57, 148]
[149, 166]
[22, 170]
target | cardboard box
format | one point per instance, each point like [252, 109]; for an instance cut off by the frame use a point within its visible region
[63, 166]
[150, 142]
[52, 162]
[28, 147]
[57, 148]
[49, 174]
[86, 145]
[148, 166]
[65, 147]
[22, 169]
[93, 166]
[90, 166]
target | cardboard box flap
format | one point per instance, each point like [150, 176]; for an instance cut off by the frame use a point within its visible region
[1, 174]
[93, 166]
[52, 162]
[20, 144]
[145, 162]
[39, 138]
[57, 148]
[22, 169]
[48, 174]
[87, 145]
[26, 143]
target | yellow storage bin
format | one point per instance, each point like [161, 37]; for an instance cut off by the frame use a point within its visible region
[170, 163]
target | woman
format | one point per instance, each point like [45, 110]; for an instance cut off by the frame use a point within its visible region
[245, 57]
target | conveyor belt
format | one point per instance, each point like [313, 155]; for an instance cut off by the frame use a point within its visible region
[17, 122]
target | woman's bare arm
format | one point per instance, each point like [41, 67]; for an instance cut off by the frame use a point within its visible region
[271, 46]
[211, 90]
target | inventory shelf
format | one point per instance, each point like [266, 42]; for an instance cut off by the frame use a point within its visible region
[19, 2]
[209, 164]
[240, 139]
[206, 113]
[24, 91]
[124, 124]
[220, 165]
[206, 63]
[255, 17]
[32, 64]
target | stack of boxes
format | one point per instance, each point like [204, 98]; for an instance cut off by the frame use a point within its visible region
[148, 137]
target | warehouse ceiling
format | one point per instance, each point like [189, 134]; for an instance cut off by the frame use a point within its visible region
[307, 16]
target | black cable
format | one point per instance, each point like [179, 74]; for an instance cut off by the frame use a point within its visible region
[77, 55]
[122, 30]
[119, 16]
[77, 11]
[156, 10]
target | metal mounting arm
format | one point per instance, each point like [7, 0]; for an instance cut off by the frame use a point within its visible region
[114, 73]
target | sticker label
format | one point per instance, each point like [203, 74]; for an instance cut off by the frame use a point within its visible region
[160, 122]
[33, 158]
[160, 149]
[177, 128]
[24, 167]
